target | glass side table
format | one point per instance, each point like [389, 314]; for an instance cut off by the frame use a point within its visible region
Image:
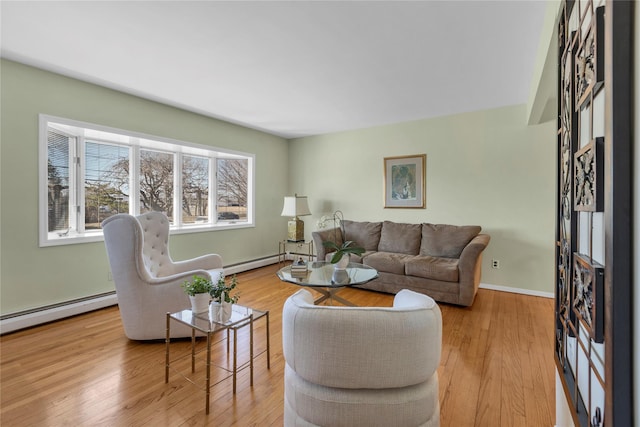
[241, 316]
[286, 248]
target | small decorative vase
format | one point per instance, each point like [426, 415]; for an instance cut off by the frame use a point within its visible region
[343, 263]
[340, 276]
[199, 302]
[225, 312]
[214, 311]
[220, 311]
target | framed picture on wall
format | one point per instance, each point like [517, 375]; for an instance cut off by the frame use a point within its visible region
[405, 181]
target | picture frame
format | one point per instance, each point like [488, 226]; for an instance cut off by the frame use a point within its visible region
[405, 181]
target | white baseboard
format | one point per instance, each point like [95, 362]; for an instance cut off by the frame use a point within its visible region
[517, 290]
[38, 316]
[239, 268]
[35, 317]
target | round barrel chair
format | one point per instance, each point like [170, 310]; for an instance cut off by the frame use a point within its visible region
[362, 366]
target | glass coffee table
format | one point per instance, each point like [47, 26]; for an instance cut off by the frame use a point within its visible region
[321, 277]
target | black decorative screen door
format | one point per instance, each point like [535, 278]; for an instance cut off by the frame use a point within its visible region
[593, 282]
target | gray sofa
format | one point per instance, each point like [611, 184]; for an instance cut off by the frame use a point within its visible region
[439, 260]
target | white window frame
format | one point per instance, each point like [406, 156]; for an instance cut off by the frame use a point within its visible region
[134, 141]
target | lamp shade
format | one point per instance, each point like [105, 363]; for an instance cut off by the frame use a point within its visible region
[295, 206]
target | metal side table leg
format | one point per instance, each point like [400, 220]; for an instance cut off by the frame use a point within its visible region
[167, 339]
[268, 344]
[235, 358]
[208, 390]
[251, 349]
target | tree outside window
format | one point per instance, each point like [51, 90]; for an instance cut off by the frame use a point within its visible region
[231, 191]
[156, 182]
[106, 182]
[195, 189]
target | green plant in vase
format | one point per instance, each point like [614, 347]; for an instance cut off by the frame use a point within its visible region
[198, 290]
[199, 285]
[221, 291]
[347, 248]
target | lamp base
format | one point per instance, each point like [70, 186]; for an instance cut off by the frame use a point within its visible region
[295, 231]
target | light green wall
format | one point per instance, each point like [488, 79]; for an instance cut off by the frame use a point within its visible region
[487, 168]
[31, 276]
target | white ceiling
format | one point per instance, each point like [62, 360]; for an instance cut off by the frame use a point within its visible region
[291, 68]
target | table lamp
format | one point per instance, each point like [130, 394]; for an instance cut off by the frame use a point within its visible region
[294, 207]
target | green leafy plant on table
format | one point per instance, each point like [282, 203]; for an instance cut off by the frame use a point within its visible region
[199, 285]
[221, 291]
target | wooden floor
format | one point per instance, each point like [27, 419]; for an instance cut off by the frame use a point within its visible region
[496, 369]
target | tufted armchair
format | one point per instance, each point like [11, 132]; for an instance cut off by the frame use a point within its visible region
[361, 366]
[147, 280]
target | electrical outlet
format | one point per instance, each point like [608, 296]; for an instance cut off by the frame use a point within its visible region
[109, 276]
[495, 263]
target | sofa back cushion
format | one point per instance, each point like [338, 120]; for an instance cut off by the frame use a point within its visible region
[400, 238]
[364, 234]
[443, 240]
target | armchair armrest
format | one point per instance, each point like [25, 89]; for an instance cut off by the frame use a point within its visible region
[408, 299]
[178, 278]
[204, 262]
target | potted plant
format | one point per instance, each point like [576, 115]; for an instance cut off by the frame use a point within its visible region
[198, 290]
[340, 259]
[221, 307]
[342, 253]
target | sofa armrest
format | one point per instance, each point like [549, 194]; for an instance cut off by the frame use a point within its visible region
[470, 268]
[330, 234]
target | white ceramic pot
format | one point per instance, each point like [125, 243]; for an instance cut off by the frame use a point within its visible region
[227, 308]
[343, 263]
[220, 312]
[199, 303]
[214, 311]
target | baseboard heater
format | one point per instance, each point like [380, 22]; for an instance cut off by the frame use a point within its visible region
[36, 316]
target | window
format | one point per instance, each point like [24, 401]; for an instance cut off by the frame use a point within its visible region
[106, 182]
[195, 189]
[156, 182]
[89, 173]
[58, 180]
[231, 191]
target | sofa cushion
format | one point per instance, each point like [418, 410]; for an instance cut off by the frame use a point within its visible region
[400, 238]
[443, 240]
[388, 262]
[352, 257]
[364, 234]
[435, 268]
